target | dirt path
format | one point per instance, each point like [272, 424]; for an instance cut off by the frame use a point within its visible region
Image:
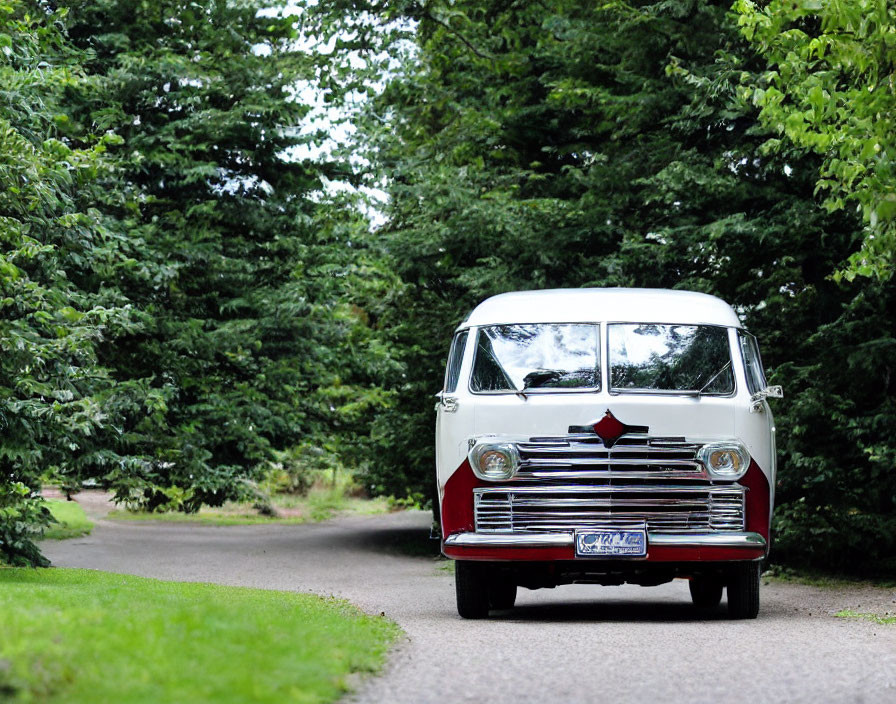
[572, 644]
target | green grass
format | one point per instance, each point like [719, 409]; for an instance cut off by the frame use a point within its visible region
[318, 505]
[72, 521]
[874, 618]
[825, 580]
[78, 636]
[206, 516]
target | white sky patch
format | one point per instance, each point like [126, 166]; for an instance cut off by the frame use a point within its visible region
[635, 348]
[330, 127]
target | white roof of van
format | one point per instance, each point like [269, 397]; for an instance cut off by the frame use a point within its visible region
[581, 305]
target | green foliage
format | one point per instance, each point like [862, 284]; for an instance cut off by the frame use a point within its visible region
[838, 490]
[53, 391]
[327, 496]
[22, 518]
[255, 287]
[829, 88]
[299, 467]
[78, 636]
[181, 296]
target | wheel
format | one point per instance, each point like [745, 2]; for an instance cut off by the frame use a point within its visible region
[471, 585]
[501, 593]
[706, 592]
[743, 591]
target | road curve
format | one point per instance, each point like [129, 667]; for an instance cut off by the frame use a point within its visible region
[572, 644]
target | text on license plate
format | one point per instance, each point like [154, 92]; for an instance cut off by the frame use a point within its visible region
[600, 541]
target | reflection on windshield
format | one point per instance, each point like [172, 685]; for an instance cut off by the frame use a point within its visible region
[543, 356]
[670, 358]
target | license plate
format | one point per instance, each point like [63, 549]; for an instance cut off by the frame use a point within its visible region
[611, 542]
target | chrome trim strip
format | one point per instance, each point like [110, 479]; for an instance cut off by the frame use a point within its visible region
[543, 540]
[608, 474]
[642, 441]
[599, 502]
[707, 540]
[596, 451]
[497, 540]
[621, 461]
[731, 490]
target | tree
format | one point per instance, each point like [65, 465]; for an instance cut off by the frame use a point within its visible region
[829, 88]
[246, 276]
[53, 391]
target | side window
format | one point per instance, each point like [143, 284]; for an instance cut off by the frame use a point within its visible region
[455, 357]
[752, 363]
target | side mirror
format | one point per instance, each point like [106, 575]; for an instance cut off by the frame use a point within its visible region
[446, 402]
[768, 392]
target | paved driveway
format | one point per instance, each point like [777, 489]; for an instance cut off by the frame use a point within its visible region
[572, 644]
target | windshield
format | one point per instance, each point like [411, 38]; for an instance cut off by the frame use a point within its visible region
[545, 356]
[694, 358]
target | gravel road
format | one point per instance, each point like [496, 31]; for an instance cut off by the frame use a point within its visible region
[572, 644]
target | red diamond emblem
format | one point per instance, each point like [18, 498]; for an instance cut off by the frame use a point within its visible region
[610, 429]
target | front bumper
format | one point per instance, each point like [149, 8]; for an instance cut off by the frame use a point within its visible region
[661, 547]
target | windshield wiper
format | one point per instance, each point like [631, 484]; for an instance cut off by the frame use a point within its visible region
[713, 378]
[537, 378]
[540, 377]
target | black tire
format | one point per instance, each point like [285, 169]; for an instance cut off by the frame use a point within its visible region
[743, 591]
[706, 592]
[471, 586]
[501, 593]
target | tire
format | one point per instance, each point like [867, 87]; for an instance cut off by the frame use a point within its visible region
[501, 593]
[743, 591]
[471, 586]
[706, 592]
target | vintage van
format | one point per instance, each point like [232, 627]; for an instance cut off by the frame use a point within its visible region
[605, 436]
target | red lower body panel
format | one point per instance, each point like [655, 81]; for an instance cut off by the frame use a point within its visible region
[663, 553]
[458, 517]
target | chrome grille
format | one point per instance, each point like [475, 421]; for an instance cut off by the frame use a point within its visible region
[550, 508]
[634, 457]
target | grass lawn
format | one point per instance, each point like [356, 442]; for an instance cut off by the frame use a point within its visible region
[316, 506]
[73, 522]
[874, 618]
[825, 580]
[78, 636]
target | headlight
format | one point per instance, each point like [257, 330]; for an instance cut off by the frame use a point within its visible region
[725, 460]
[494, 461]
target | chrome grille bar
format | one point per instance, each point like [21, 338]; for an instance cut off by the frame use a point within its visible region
[584, 456]
[552, 508]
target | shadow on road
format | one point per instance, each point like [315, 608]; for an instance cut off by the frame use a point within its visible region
[614, 611]
[410, 541]
[617, 611]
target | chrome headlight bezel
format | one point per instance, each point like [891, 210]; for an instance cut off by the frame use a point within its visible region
[713, 456]
[478, 457]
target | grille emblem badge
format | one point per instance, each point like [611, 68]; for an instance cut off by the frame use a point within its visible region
[609, 429]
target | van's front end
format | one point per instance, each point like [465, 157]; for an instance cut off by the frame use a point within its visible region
[605, 436]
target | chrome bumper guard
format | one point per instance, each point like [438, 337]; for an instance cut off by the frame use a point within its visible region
[553, 540]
